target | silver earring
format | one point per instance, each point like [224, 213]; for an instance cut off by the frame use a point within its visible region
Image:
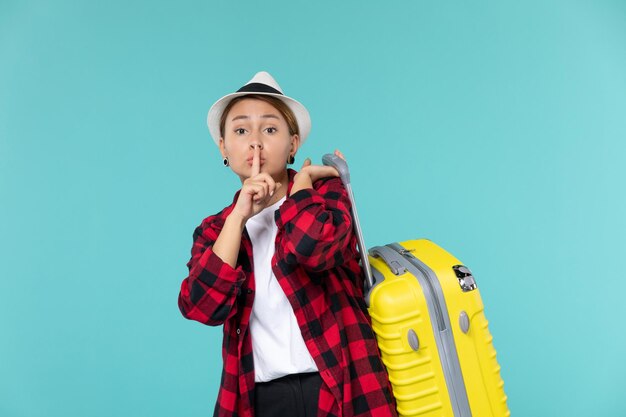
[226, 162]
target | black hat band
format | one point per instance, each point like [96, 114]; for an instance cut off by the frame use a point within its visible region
[258, 88]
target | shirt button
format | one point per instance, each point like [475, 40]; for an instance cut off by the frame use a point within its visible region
[238, 331]
[249, 291]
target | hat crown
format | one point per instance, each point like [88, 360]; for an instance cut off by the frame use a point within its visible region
[264, 77]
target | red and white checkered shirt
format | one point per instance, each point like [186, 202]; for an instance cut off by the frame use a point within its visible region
[317, 266]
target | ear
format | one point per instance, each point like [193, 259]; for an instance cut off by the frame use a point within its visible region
[222, 148]
[295, 144]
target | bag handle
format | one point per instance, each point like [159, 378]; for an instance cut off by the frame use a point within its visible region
[342, 167]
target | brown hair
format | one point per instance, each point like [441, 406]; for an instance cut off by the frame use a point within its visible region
[275, 102]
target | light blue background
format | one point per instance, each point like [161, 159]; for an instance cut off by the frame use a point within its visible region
[495, 128]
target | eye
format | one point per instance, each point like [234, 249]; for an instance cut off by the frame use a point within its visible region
[240, 131]
[271, 130]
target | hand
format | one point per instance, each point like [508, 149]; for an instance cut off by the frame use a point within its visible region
[315, 172]
[256, 191]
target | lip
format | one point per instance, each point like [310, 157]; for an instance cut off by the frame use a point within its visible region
[249, 160]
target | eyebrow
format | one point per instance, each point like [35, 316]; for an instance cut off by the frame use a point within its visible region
[265, 116]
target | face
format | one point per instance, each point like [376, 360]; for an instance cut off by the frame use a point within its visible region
[252, 123]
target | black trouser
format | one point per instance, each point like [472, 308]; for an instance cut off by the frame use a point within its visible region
[292, 395]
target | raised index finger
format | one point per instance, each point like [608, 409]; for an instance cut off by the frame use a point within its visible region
[256, 161]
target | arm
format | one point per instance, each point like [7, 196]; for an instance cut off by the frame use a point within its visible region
[227, 244]
[209, 293]
[317, 226]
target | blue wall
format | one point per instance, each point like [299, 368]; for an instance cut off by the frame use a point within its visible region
[495, 128]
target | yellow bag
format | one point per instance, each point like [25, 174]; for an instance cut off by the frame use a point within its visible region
[431, 329]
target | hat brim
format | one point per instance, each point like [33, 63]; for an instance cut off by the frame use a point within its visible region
[300, 112]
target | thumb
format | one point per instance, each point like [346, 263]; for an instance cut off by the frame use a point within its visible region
[306, 163]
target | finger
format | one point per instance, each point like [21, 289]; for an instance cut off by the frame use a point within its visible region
[265, 177]
[318, 171]
[339, 154]
[328, 171]
[255, 189]
[260, 193]
[306, 163]
[256, 161]
[264, 186]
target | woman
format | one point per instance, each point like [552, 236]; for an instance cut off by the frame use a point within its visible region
[279, 269]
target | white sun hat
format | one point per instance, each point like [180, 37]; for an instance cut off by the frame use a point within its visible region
[262, 83]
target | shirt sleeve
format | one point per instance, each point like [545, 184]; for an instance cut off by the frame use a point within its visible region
[209, 293]
[317, 226]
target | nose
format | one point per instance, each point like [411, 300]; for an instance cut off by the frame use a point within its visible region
[256, 143]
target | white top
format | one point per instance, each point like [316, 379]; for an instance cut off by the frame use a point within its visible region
[277, 343]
